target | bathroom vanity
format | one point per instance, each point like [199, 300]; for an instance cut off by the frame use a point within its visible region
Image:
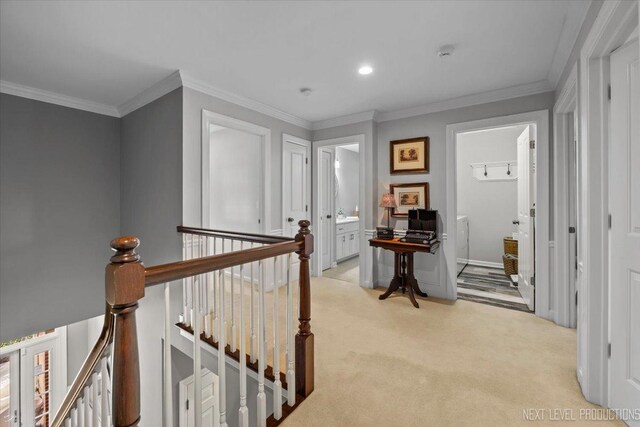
[347, 241]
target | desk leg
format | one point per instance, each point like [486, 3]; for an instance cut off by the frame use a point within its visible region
[413, 282]
[397, 279]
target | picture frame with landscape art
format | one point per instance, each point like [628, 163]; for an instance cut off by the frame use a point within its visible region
[409, 196]
[410, 155]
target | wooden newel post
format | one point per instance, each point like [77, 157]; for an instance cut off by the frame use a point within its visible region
[124, 280]
[304, 337]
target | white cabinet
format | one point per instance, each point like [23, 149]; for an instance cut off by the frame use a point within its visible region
[347, 241]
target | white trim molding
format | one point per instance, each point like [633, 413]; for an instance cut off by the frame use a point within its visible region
[563, 129]
[469, 100]
[541, 120]
[55, 98]
[211, 118]
[242, 101]
[345, 120]
[163, 87]
[365, 182]
[570, 30]
[615, 22]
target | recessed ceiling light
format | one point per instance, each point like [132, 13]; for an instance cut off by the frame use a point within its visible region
[365, 69]
[305, 91]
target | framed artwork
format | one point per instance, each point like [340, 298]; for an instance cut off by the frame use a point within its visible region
[410, 155]
[409, 196]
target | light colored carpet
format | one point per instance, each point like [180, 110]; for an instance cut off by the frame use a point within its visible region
[348, 270]
[385, 363]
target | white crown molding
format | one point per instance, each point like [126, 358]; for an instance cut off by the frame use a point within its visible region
[576, 14]
[469, 100]
[251, 104]
[150, 94]
[55, 98]
[345, 120]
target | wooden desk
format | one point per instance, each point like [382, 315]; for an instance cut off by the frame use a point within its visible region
[403, 277]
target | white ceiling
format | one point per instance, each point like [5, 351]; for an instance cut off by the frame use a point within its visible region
[108, 52]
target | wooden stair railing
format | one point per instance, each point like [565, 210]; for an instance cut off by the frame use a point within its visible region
[126, 279]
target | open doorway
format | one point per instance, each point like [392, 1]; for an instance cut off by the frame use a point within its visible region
[527, 162]
[337, 203]
[496, 195]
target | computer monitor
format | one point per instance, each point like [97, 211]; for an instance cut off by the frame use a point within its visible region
[423, 219]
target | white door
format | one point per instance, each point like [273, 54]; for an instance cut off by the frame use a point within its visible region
[326, 205]
[573, 221]
[210, 411]
[296, 190]
[624, 200]
[236, 180]
[526, 202]
[296, 183]
[10, 390]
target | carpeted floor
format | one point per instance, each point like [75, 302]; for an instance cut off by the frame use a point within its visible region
[348, 270]
[385, 363]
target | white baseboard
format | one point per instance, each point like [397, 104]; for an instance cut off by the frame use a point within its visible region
[485, 263]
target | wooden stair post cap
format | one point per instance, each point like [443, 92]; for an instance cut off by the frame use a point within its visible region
[125, 248]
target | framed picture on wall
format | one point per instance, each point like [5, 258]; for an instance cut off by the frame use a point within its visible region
[410, 155]
[409, 196]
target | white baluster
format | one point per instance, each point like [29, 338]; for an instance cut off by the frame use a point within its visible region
[211, 295]
[205, 292]
[277, 384]
[262, 397]
[233, 315]
[80, 413]
[167, 385]
[185, 307]
[95, 420]
[104, 394]
[222, 343]
[215, 321]
[202, 287]
[291, 373]
[86, 400]
[243, 412]
[252, 319]
[74, 416]
[197, 367]
[67, 421]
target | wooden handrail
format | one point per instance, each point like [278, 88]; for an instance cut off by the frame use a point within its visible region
[179, 270]
[234, 235]
[100, 350]
[125, 282]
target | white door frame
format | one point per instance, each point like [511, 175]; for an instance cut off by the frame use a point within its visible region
[211, 118]
[316, 265]
[562, 311]
[541, 120]
[57, 342]
[307, 144]
[614, 23]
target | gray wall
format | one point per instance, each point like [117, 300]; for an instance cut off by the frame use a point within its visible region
[151, 210]
[194, 102]
[348, 177]
[430, 268]
[59, 208]
[490, 206]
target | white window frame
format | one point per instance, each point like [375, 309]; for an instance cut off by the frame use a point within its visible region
[56, 341]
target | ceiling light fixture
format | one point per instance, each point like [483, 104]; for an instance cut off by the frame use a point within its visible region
[365, 70]
[305, 91]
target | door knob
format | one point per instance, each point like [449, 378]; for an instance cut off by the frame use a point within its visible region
[290, 219]
[328, 216]
[515, 222]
